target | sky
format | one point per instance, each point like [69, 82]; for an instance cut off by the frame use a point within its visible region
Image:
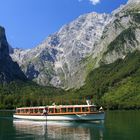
[29, 22]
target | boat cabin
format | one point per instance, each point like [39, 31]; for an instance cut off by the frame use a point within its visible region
[61, 109]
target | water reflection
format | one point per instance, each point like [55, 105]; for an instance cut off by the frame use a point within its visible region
[59, 130]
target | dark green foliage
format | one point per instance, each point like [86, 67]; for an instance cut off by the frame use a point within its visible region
[115, 85]
[118, 43]
[136, 17]
[19, 93]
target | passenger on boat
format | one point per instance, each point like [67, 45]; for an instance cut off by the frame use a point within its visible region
[44, 112]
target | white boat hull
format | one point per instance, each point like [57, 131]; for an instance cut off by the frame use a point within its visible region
[74, 117]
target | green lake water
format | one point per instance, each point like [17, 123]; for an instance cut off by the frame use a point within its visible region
[118, 125]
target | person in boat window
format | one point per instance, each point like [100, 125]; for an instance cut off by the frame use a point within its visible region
[44, 111]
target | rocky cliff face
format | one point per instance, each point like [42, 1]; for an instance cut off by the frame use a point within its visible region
[65, 58]
[61, 60]
[122, 35]
[9, 70]
[4, 51]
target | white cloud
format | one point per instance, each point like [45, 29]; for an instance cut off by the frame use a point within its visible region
[94, 2]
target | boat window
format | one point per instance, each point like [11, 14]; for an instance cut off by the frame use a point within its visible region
[40, 110]
[31, 110]
[77, 109]
[36, 110]
[63, 110]
[84, 109]
[46, 108]
[22, 110]
[95, 109]
[51, 110]
[57, 110]
[70, 109]
[92, 109]
[26, 110]
[18, 110]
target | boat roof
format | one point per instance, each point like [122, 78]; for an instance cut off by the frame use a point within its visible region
[56, 106]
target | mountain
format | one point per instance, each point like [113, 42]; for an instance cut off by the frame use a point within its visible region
[15, 88]
[121, 35]
[9, 70]
[96, 55]
[65, 58]
[114, 81]
[61, 60]
[115, 85]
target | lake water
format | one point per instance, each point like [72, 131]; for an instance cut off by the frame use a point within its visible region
[118, 125]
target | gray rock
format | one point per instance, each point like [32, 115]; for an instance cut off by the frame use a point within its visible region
[59, 60]
[9, 70]
[65, 58]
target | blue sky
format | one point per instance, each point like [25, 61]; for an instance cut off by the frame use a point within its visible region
[29, 22]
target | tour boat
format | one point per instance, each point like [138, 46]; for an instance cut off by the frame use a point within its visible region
[54, 112]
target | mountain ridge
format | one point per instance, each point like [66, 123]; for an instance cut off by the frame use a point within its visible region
[62, 54]
[9, 70]
[105, 66]
[65, 58]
